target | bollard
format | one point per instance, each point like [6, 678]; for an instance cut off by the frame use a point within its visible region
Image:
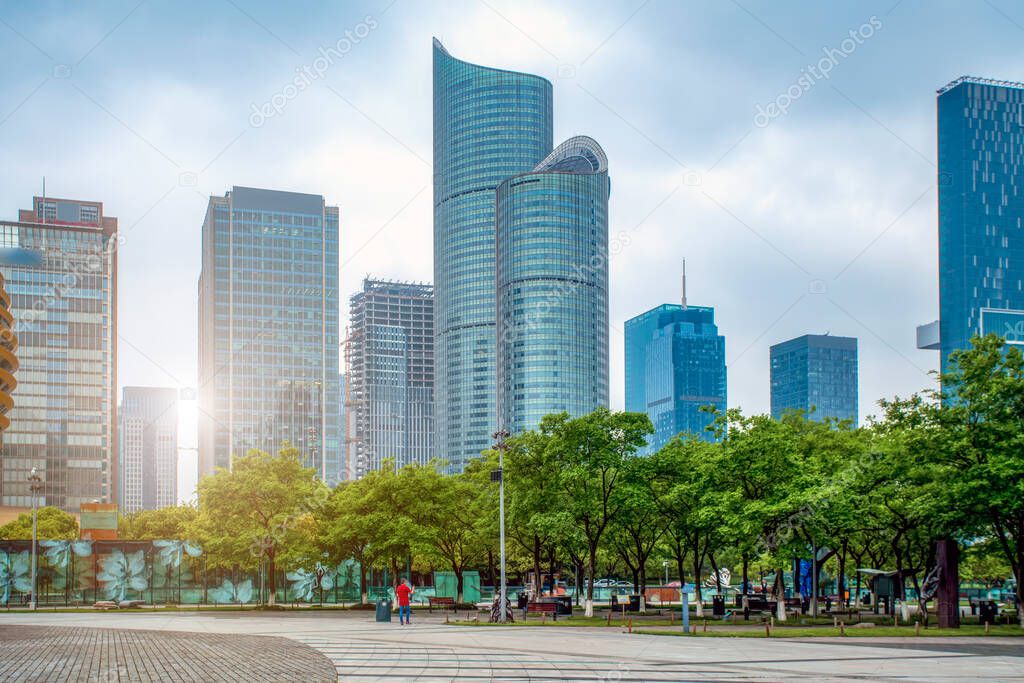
[842, 628]
[543, 618]
[609, 617]
[835, 621]
[986, 628]
[705, 626]
[917, 628]
[631, 624]
[767, 629]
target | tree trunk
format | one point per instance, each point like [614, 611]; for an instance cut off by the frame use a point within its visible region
[272, 577]
[551, 568]
[364, 596]
[538, 583]
[746, 571]
[947, 558]
[780, 594]
[588, 610]
[841, 579]
[698, 560]
[458, 584]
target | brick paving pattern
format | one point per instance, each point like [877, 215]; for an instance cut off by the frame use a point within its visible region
[56, 653]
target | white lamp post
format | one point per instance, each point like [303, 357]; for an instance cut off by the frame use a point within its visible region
[499, 437]
[35, 486]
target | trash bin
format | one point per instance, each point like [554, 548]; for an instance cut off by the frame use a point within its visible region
[383, 610]
[718, 605]
[988, 612]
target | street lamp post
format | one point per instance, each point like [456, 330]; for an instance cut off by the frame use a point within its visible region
[501, 446]
[35, 486]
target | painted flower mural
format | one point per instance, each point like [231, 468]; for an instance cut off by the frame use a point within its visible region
[305, 583]
[58, 553]
[230, 593]
[170, 553]
[121, 572]
[14, 574]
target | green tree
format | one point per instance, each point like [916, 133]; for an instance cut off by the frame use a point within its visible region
[162, 523]
[591, 451]
[51, 524]
[259, 510]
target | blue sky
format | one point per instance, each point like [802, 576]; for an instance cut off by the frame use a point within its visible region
[821, 220]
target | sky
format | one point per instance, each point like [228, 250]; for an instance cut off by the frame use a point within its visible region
[786, 150]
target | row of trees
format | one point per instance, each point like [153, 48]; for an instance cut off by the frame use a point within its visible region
[580, 501]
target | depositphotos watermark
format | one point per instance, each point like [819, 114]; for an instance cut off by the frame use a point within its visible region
[812, 73]
[312, 72]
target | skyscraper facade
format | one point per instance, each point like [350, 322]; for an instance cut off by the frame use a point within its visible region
[8, 358]
[815, 372]
[268, 329]
[59, 260]
[552, 280]
[390, 371]
[981, 211]
[683, 359]
[489, 125]
[149, 448]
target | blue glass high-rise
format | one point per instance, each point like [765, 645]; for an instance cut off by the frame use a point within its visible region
[552, 278]
[981, 211]
[268, 329]
[489, 124]
[816, 374]
[675, 370]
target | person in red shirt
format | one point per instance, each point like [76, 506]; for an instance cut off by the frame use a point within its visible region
[403, 592]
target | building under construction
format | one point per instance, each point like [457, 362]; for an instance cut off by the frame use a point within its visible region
[389, 357]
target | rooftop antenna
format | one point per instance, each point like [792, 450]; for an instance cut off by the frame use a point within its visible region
[684, 283]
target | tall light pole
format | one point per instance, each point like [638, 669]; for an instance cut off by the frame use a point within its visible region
[499, 437]
[35, 486]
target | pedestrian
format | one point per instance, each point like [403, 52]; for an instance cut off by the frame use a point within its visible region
[403, 592]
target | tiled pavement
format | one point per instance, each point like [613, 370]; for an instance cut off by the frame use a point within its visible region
[58, 653]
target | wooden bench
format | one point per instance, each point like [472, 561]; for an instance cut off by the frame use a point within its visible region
[443, 603]
[543, 608]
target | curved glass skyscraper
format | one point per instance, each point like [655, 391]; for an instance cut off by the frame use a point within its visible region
[552, 279]
[489, 125]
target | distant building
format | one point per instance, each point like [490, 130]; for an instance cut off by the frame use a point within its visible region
[59, 260]
[149, 448]
[815, 371]
[268, 329]
[675, 370]
[390, 371]
[489, 125]
[552, 278]
[981, 202]
[8, 358]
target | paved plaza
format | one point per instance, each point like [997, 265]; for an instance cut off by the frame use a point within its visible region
[296, 646]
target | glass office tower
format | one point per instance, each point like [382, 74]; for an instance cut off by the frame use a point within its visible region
[683, 360]
[815, 371]
[489, 125]
[981, 212]
[552, 278]
[149, 448]
[60, 263]
[390, 370]
[268, 329]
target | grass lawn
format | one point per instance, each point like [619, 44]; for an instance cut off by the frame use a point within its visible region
[830, 632]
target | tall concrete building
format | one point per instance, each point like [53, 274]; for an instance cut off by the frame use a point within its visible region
[390, 374]
[981, 214]
[268, 329]
[59, 260]
[149, 448]
[817, 374]
[489, 125]
[675, 368]
[552, 279]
